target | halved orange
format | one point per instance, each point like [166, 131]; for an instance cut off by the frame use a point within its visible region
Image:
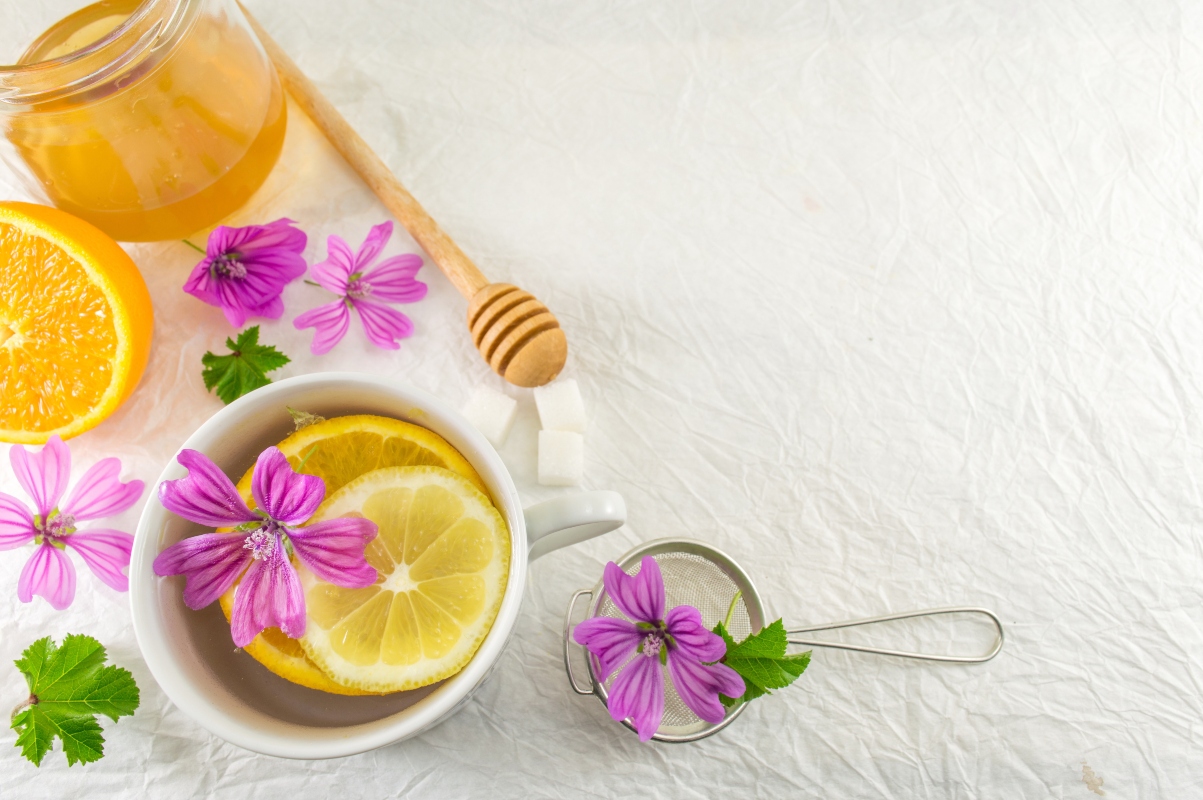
[75, 324]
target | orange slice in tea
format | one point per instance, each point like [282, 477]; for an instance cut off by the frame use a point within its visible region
[75, 324]
[339, 450]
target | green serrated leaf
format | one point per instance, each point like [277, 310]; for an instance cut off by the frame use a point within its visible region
[82, 740]
[244, 369]
[30, 662]
[795, 664]
[752, 691]
[769, 642]
[35, 734]
[721, 630]
[65, 668]
[761, 661]
[764, 672]
[69, 686]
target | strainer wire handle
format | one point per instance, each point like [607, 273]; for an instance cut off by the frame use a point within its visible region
[568, 641]
[793, 635]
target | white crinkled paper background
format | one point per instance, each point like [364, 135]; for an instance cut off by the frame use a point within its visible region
[898, 304]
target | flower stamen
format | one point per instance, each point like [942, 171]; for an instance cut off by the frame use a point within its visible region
[229, 267]
[56, 525]
[261, 543]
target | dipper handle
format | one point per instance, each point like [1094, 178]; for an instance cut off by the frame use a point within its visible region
[525, 346]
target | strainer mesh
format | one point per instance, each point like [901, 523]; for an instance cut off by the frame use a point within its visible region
[696, 581]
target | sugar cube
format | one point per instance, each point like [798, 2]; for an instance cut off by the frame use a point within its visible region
[492, 413]
[560, 406]
[561, 458]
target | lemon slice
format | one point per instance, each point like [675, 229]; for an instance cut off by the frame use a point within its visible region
[443, 554]
[338, 450]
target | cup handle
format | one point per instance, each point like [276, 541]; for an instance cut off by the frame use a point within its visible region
[572, 519]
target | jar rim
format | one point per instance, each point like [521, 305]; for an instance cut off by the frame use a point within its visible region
[153, 25]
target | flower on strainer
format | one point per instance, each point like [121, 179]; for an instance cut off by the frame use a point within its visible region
[99, 493]
[270, 593]
[677, 640]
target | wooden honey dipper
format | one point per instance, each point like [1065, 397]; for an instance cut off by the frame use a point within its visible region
[519, 338]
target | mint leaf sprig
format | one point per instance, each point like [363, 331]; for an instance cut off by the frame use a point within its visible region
[244, 369]
[68, 687]
[760, 659]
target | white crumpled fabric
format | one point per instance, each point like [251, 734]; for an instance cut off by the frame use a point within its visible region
[898, 304]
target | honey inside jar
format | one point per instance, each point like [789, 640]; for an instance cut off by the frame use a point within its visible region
[175, 119]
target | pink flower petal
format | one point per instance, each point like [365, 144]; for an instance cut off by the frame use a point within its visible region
[611, 640]
[377, 238]
[393, 279]
[270, 253]
[259, 244]
[684, 623]
[49, 574]
[330, 321]
[211, 563]
[265, 257]
[642, 597]
[699, 685]
[285, 495]
[269, 596]
[206, 496]
[106, 553]
[264, 281]
[332, 273]
[100, 492]
[638, 693]
[43, 475]
[333, 550]
[202, 285]
[16, 523]
[382, 324]
[231, 306]
[272, 309]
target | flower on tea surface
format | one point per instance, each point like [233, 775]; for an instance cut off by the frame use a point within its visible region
[677, 640]
[245, 269]
[270, 593]
[347, 275]
[51, 527]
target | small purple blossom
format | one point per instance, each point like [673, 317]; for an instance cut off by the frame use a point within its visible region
[347, 275]
[52, 527]
[245, 269]
[269, 594]
[677, 640]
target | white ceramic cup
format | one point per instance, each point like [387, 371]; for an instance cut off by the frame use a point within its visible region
[191, 654]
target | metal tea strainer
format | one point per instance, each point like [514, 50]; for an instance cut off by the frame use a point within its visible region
[702, 576]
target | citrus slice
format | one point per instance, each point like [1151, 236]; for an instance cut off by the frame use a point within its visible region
[339, 450]
[442, 553]
[75, 324]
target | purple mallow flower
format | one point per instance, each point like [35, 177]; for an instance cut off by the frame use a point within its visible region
[270, 593]
[245, 269]
[51, 527]
[677, 640]
[357, 287]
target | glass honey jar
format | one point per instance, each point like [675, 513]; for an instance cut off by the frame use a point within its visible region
[151, 119]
